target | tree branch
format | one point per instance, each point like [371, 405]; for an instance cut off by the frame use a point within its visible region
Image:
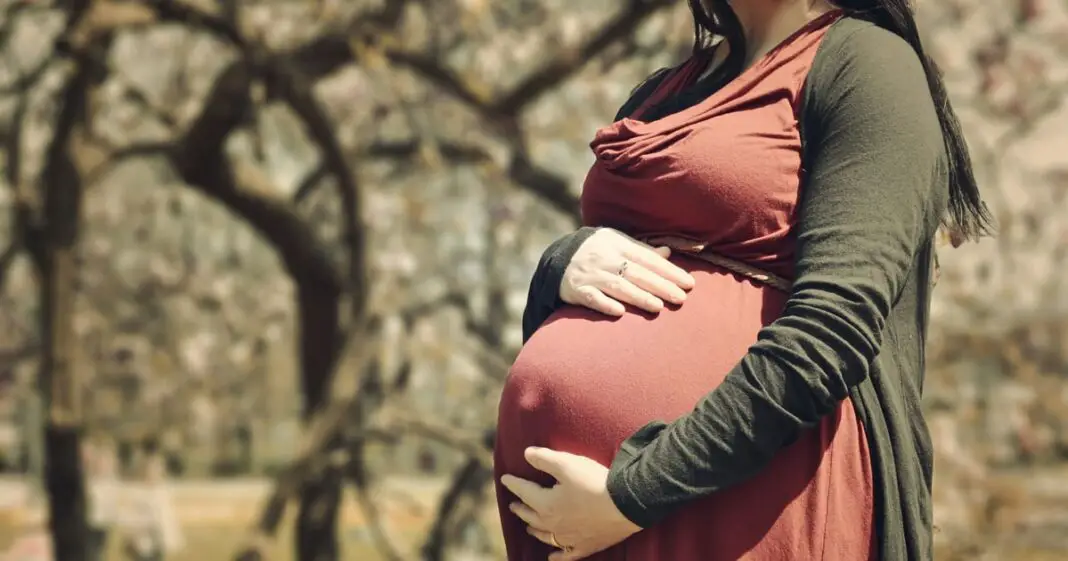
[536, 179]
[289, 84]
[565, 65]
[326, 54]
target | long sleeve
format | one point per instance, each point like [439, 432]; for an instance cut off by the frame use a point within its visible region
[873, 196]
[543, 296]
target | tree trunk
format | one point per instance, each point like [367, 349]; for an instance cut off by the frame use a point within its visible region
[66, 493]
[58, 382]
[51, 240]
[316, 526]
[51, 244]
[320, 344]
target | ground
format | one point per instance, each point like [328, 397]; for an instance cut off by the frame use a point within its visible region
[215, 516]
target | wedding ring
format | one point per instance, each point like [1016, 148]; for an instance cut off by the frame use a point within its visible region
[623, 268]
[556, 544]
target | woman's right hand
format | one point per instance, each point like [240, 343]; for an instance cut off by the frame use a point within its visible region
[611, 269]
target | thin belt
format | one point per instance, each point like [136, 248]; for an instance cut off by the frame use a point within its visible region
[700, 251]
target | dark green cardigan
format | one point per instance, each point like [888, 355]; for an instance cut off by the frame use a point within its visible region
[855, 325]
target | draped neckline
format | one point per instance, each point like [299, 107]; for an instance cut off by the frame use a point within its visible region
[688, 74]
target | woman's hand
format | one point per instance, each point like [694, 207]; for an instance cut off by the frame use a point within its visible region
[576, 516]
[611, 269]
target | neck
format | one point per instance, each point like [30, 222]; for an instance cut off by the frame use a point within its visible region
[766, 23]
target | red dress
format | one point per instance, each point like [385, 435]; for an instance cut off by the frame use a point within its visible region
[726, 172]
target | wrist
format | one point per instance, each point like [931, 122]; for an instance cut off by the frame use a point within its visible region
[626, 501]
[566, 248]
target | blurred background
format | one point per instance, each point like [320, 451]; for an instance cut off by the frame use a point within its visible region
[262, 264]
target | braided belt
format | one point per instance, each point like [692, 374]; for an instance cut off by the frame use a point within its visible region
[700, 251]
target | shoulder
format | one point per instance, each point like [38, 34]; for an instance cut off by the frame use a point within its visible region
[865, 74]
[857, 55]
[862, 45]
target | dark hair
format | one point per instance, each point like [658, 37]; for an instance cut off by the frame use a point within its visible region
[967, 215]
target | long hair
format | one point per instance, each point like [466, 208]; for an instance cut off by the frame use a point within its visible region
[967, 215]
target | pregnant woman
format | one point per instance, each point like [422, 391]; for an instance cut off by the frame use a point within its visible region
[759, 396]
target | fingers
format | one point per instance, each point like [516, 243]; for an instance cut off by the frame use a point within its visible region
[567, 555]
[528, 515]
[529, 492]
[617, 270]
[544, 537]
[596, 300]
[562, 553]
[654, 284]
[547, 460]
[656, 261]
[621, 289]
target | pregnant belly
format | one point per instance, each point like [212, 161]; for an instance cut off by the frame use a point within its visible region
[584, 382]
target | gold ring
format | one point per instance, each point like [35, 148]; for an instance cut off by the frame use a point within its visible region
[556, 544]
[623, 268]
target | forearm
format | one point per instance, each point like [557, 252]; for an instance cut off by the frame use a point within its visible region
[779, 389]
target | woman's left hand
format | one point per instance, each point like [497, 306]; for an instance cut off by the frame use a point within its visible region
[576, 515]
